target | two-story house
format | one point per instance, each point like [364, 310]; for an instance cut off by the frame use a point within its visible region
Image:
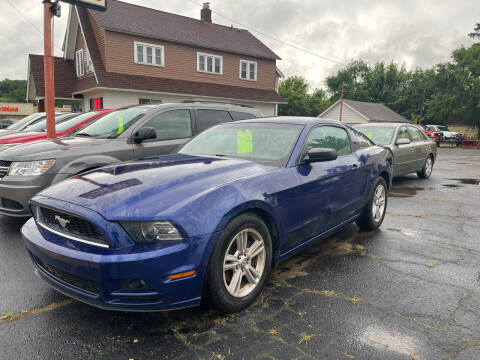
[134, 55]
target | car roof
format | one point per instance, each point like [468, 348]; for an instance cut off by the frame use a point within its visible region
[294, 120]
[198, 104]
[383, 124]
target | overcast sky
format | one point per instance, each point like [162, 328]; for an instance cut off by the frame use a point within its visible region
[415, 32]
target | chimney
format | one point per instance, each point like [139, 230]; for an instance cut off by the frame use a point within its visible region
[206, 13]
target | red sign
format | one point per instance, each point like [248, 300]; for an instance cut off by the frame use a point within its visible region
[9, 108]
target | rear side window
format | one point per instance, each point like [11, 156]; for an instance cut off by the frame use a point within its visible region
[331, 137]
[415, 134]
[209, 118]
[169, 125]
[236, 115]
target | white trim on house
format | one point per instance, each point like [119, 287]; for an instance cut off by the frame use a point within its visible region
[146, 46]
[85, 41]
[248, 63]
[28, 80]
[205, 63]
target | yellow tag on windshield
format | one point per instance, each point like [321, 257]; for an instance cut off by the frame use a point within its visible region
[244, 142]
[369, 135]
[120, 124]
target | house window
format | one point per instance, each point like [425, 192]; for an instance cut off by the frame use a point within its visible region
[207, 63]
[149, 54]
[89, 64]
[143, 101]
[96, 104]
[79, 62]
[248, 70]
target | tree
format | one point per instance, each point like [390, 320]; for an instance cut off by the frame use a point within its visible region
[476, 32]
[295, 90]
[13, 90]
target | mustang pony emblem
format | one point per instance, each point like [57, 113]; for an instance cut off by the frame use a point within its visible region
[63, 222]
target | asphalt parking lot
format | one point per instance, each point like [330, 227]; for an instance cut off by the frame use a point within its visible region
[408, 291]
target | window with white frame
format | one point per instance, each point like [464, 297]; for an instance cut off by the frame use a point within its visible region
[79, 63]
[248, 70]
[89, 64]
[207, 63]
[149, 54]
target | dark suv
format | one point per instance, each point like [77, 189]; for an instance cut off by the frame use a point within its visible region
[125, 134]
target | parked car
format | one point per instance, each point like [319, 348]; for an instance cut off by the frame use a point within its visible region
[210, 220]
[6, 123]
[413, 151]
[450, 136]
[26, 121]
[129, 133]
[14, 137]
[65, 125]
[435, 135]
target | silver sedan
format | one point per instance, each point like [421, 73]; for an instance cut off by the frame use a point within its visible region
[413, 151]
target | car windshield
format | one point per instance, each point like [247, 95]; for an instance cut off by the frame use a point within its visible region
[423, 127]
[378, 134]
[41, 125]
[114, 123]
[21, 123]
[264, 143]
[65, 125]
[442, 128]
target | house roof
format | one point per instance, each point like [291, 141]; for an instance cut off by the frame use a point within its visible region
[139, 20]
[375, 112]
[63, 85]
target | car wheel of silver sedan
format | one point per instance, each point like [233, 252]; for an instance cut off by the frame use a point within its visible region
[427, 168]
[240, 263]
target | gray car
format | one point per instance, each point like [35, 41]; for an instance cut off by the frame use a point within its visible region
[413, 151]
[125, 134]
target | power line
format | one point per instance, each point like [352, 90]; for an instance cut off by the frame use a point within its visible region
[272, 37]
[23, 15]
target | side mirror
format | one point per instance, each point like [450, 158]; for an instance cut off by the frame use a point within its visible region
[403, 141]
[146, 133]
[320, 154]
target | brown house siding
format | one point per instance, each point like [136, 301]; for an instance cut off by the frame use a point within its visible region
[181, 63]
[80, 44]
[99, 35]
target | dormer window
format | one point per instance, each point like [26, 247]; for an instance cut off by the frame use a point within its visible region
[149, 54]
[79, 63]
[208, 63]
[248, 70]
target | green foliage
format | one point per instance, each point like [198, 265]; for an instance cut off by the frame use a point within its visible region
[13, 90]
[295, 90]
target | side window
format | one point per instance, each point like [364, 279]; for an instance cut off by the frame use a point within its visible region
[403, 133]
[236, 115]
[209, 118]
[331, 137]
[361, 140]
[415, 134]
[169, 125]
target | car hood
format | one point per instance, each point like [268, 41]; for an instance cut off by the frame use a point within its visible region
[48, 149]
[22, 136]
[140, 190]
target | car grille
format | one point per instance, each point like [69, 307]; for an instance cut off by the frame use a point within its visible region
[4, 167]
[79, 282]
[11, 204]
[70, 226]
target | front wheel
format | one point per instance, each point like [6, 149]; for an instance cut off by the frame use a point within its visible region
[240, 264]
[374, 211]
[427, 168]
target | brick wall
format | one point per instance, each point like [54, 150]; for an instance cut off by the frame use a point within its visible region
[80, 44]
[181, 63]
[99, 34]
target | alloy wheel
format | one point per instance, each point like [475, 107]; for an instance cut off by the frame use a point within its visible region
[244, 262]
[378, 204]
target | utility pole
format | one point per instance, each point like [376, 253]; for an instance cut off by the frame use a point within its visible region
[423, 104]
[48, 67]
[341, 105]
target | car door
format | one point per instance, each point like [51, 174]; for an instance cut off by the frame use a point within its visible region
[420, 145]
[173, 128]
[404, 153]
[327, 189]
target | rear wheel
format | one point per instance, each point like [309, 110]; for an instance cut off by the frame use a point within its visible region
[427, 168]
[240, 264]
[374, 211]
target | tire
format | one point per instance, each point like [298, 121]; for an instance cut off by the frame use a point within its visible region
[369, 219]
[248, 273]
[427, 168]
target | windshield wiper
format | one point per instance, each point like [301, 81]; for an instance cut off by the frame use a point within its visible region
[83, 134]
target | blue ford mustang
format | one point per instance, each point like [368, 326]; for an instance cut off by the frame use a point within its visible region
[210, 221]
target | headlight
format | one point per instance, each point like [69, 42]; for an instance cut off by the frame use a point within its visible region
[37, 167]
[151, 231]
